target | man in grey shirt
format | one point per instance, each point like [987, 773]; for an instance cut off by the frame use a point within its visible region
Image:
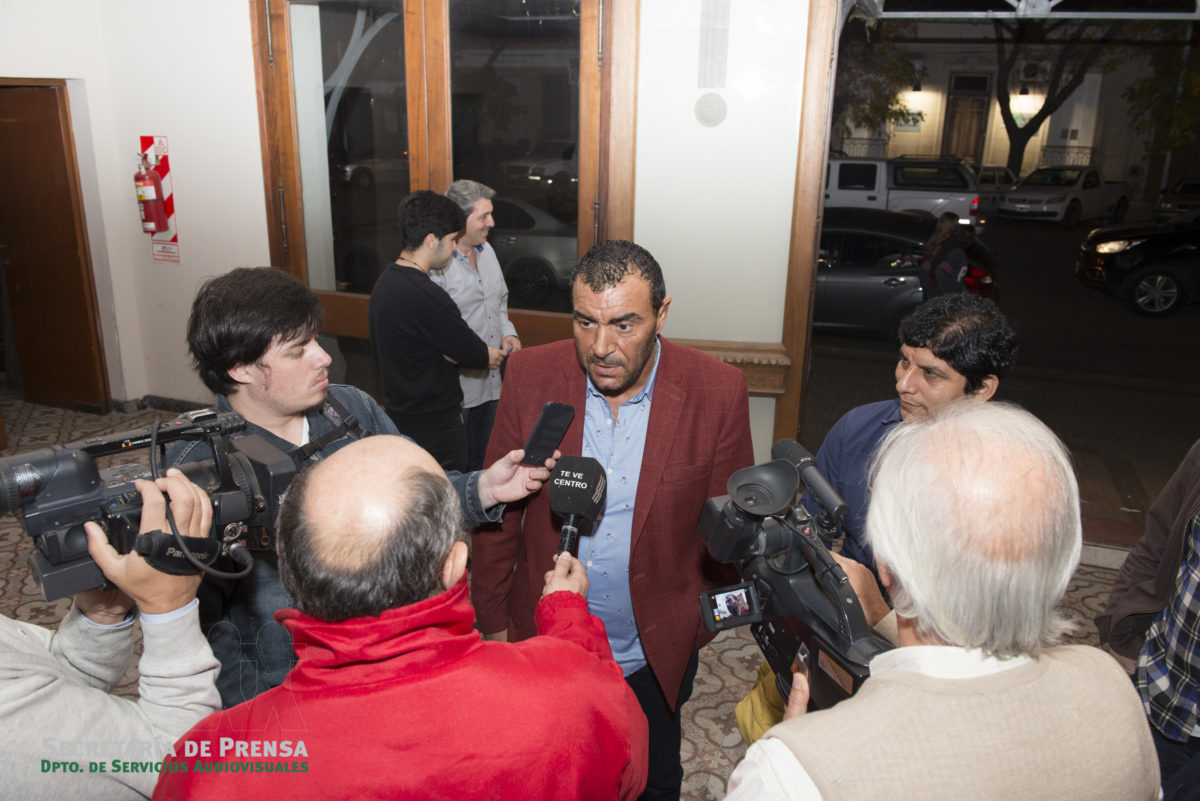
[474, 280]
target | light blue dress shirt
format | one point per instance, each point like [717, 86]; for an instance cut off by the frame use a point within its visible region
[617, 444]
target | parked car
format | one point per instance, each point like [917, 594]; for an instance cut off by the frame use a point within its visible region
[367, 172]
[993, 184]
[537, 253]
[1179, 199]
[1155, 268]
[917, 184]
[867, 269]
[536, 250]
[1066, 195]
[552, 163]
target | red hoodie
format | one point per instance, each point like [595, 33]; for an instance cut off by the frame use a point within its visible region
[414, 704]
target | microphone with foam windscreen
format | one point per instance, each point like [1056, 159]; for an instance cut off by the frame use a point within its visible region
[577, 493]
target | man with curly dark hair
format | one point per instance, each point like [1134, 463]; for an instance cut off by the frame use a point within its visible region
[953, 347]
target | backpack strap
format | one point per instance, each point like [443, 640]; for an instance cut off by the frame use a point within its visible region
[346, 425]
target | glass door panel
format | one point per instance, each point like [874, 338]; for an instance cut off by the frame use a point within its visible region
[348, 68]
[514, 82]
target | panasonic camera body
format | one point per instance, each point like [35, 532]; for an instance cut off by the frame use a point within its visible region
[58, 489]
[798, 601]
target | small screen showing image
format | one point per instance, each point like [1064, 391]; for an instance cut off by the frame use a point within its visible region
[731, 604]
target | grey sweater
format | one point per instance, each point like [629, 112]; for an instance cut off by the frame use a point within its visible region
[1066, 725]
[59, 724]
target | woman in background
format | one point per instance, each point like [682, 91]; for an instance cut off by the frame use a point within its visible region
[945, 257]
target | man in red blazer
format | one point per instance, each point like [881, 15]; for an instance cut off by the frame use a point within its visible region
[670, 425]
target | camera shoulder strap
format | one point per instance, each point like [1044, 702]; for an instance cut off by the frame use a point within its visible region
[347, 425]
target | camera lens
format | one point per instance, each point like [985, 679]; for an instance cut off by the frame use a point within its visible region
[17, 481]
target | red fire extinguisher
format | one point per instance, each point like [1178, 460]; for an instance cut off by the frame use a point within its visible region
[150, 198]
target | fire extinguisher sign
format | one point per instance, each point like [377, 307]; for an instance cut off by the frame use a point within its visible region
[164, 245]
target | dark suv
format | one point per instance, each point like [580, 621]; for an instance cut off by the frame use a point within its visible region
[867, 269]
[1154, 268]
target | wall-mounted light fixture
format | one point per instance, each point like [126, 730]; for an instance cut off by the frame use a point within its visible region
[1024, 89]
[918, 64]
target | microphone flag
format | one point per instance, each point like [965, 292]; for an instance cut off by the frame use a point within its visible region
[578, 490]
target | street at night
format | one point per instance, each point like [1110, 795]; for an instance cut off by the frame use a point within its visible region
[1121, 390]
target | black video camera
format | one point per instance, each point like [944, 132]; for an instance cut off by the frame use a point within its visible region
[799, 602]
[60, 488]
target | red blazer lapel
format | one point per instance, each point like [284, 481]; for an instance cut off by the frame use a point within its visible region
[666, 408]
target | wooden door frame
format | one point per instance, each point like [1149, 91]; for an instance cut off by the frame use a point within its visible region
[79, 221]
[777, 370]
[427, 67]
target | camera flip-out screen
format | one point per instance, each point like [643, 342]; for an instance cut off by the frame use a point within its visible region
[726, 607]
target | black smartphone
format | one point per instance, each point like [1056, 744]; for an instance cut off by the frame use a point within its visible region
[547, 432]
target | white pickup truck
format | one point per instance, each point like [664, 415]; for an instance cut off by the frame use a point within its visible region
[927, 185]
[1066, 195]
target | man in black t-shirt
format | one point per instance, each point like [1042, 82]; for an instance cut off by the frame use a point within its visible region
[418, 335]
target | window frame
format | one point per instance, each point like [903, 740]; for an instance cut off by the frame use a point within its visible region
[608, 92]
[427, 65]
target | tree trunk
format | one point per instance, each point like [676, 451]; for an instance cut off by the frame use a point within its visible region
[1018, 140]
[1076, 53]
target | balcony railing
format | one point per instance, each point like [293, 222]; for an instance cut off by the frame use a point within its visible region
[1067, 156]
[864, 147]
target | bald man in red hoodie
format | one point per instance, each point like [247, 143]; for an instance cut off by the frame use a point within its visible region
[395, 694]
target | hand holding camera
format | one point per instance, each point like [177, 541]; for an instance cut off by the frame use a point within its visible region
[153, 591]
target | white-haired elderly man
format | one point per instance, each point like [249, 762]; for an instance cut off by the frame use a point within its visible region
[974, 521]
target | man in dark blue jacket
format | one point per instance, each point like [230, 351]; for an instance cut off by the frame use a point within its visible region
[252, 334]
[952, 347]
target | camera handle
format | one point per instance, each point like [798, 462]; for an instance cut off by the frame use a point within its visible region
[831, 579]
[239, 554]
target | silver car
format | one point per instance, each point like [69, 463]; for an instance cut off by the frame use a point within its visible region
[537, 252]
[1181, 198]
[994, 183]
[867, 270]
[550, 163]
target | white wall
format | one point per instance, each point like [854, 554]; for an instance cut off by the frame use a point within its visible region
[178, 68]
[713, 202]
[1121, 150]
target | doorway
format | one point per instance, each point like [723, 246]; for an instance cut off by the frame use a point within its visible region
[48, 289]
[966, 117]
